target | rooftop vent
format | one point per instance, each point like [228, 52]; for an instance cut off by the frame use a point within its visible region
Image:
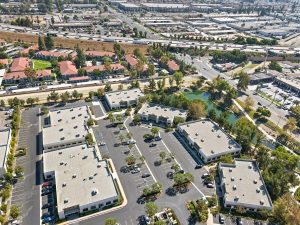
[83, 147]
[212, 130]
[212, 151]
[232, 178]
[77, 135]
[236, 198]
[66, 200]
[234, 187]
[262, 202]
[61, 163]
[257, 190]
[219, 135]
[58, 111]
[188, 125]
[229, 147]
[255, 181]
[90, 177]
[75, 127]
[99, 165]
[74, 176]
[250, 166]
[71, 109]
[60, 152]
[62, 138]
[64, 184]
[230, 170]
[61, 129]
[94, 192]
[80, 114]
[73, 117]
[202, 140]
[84, 157]
[59, 120]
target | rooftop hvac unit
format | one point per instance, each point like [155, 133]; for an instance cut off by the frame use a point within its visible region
[257, 190]
[219, 135]
[250, 166]
[236, 198]
[74, 176]
[262, 202]
[255, 181]
[234, 187]
[75, 127]
[71, 109]
[62, 138]
[230, 170]
[80, 114]
[60, 152]
[66, 200]
[232, 178]
[61, 129]
[64, 184]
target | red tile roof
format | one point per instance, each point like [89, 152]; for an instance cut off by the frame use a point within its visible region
[19, 64]
[4, 61]
[79, 78]
[67, 68]
[173, 65]
[26, 50]
[43, 73]
[99, 54]
[14, 75]
[55, 54]
[131, 60]
[114, 67]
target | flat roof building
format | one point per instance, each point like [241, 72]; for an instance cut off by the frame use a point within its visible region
[123, 99]
[5, 137]
[65, 127]
[208, 139]
[289, 83]
[129, 7]
[161, 7]
[243, 186]
[83, 180]
[161, 114]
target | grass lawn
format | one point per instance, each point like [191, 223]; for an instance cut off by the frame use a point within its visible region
[41, 64]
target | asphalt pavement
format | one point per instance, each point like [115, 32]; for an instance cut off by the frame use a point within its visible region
[26, 193]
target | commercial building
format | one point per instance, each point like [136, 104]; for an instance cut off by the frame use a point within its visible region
[5, 137]
[161, 7]
[208, 140]
[161, 114]
[83, 181]
[260, 77]
[65, 127]
[129, 7]
[243, 186]
[123, 99]
[288, 83]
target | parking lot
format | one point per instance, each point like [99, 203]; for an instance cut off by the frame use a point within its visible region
[231, 220]
[4, 119]
[282, 96]
[26, 192]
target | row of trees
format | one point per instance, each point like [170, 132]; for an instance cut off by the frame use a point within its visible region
[254, 41]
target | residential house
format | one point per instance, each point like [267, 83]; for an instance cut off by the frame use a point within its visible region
[99, 55]
[102, 70]
[20, 64]
[67, 69]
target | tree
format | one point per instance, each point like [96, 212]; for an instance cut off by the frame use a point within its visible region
[152, 85]
[65, 96]
[151, 209]
[111, 117]
[182, 179]
[226, 158]
[159, 222]
[243, 81]
[30, 101]
[248, 103]
[162, 155]
[44, 110]
[2, 103]
[130, 160]
[291, 124]
[53, 96]
[285, 211]
[178, 76]
[154, 131]
[80, 58]
[275, 66]
[41, 44]
[110, 221]
[14, 211]
[48, 42]
[100, 92]
[30, 73]
[136, 119]
[196, 109]
[107, 87]
[262, 112]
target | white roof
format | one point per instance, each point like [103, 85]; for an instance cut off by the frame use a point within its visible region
[244, 184]
[80, 176]
[4, 144]
[126, 95]
[210, 138]
[66, 125]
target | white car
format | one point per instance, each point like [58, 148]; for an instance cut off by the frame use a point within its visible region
[132, 141]
[101, 143]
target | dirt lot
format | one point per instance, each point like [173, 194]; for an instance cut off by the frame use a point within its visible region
[71, 43]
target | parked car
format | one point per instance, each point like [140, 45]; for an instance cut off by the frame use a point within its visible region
[101, 143]
[170, 175]
[180, 171]
[239, 221]
[204, 175]
[46, 206]
[150, 125]
[46, 192]
[47, 219]
[210, 185]
[132, 141]
[158, 138]
[146, 175]
[136, 170]
[221, 219]
[198, 166]
[145, 220]
[152, 145]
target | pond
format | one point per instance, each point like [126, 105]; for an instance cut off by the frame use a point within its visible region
[204, 96]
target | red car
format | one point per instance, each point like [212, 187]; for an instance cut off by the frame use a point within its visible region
[46, 184]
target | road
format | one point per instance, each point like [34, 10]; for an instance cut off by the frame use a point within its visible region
[26, 193]
[204, 68]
